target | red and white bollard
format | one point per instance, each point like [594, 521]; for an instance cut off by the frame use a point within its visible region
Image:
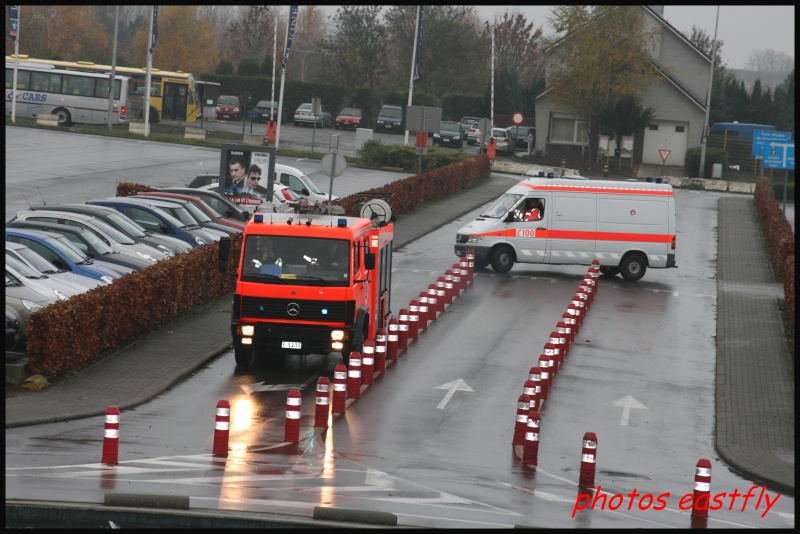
[424, 313]
[544, 368]
[465, 276]
[521, 425]
[222, 429]
[402, 329]
[433, 302]
[293, 404]
[588, 460]
[458, 282]
[368, 362]
[594, 272]
[413, 320]
[323, 401]
[450, 291]
[354, 376]
[339, 388]
[111, 437]
[560, 343]
[582, 294]
[441, 294]
[530, 451]
[392, 339]
[551, 352]
[535, 374]
[471, 260]
[565, 331]
[569, 319]
[576, 312]
[588, 285]
[380, 350]
[702, 489]
[529, 389]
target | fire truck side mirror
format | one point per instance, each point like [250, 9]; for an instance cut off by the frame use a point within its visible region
[224, 253]
[369, 260]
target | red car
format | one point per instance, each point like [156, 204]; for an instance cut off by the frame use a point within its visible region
[228, 107]
[351, 118]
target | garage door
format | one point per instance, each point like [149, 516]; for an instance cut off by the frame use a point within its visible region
[665, 135]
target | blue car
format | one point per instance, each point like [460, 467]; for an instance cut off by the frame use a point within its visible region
[60, 252]
[157, 220]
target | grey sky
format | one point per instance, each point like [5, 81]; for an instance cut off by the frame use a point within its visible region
[742, 29]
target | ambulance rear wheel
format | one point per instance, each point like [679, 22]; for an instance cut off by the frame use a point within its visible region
[502, 259]
[609, 271]
[243, 355]
[633, 267]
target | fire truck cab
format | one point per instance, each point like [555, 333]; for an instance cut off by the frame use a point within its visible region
[308, 284]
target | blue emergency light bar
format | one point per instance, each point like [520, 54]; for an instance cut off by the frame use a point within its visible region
[258, 217]
[342, 223]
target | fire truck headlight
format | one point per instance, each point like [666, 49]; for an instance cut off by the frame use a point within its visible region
[247, 341]
[337, 346]
[248, 330]
[337, 335]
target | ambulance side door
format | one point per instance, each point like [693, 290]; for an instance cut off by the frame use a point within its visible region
[530, 238]
[573, 230]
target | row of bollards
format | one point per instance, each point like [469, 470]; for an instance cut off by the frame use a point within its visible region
[347, 380]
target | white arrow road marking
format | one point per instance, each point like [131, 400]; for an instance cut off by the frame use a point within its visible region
[627, 403]
[452, 387]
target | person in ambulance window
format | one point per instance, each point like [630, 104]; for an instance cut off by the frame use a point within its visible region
[534, 210]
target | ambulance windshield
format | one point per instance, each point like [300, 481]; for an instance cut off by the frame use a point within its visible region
[502, 205]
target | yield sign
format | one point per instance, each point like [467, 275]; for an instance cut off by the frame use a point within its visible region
[664, 154]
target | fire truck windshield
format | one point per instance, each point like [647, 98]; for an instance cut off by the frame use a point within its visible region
[303, 261]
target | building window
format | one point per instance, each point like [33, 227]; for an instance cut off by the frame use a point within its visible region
[653, 127]
[567, 130]
[679, 129]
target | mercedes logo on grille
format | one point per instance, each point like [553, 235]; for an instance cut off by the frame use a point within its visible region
[293, 309]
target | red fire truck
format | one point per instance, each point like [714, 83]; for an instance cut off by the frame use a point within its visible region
[309, 284]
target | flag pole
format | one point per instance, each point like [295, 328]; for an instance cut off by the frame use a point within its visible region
[293, 13]
[15, 36]
[148, 76]
[272, 96]
[413, 64]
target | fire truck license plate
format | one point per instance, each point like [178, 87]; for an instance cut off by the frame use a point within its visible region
[291, 345]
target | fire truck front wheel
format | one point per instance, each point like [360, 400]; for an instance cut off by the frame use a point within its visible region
[243, 355]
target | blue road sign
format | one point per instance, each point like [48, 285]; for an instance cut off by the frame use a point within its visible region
[779, 155]
[760, 137]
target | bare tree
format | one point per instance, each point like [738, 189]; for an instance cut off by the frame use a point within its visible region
[251, 34]
[305, 61]
[355, 54]
[516, 47]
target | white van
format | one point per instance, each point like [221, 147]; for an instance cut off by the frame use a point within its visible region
[627, 226]
[294, 179]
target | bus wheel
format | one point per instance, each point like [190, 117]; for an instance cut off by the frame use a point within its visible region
[64, 117]
[243, 355]
[609, 271]
[502, 259]
[633, 267]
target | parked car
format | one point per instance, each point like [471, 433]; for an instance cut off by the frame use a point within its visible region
[152, 217]
[520, 135]
[279, 203]
[505, 143]
[467, 123]
[213, 215]
[13, 329]
[21, 302]
[474, 135]
[166, 244]
[213, 198]
[112, 237]
[228, 107]
[267, 110]
[300, 184]
[450, 134]
[88, 243]
[35, 261]
[47, 287]
[179, 206]
[351, 118]
[391, 118]
[58, 250]
[203, 179]
[303, 116]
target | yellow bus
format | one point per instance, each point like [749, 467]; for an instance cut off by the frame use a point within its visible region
[173, 94]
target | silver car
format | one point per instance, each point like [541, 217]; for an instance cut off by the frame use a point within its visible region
[303, 116]
[38, 263]
[49, 288]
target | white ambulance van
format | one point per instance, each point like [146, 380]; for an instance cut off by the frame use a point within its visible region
[626, 226]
